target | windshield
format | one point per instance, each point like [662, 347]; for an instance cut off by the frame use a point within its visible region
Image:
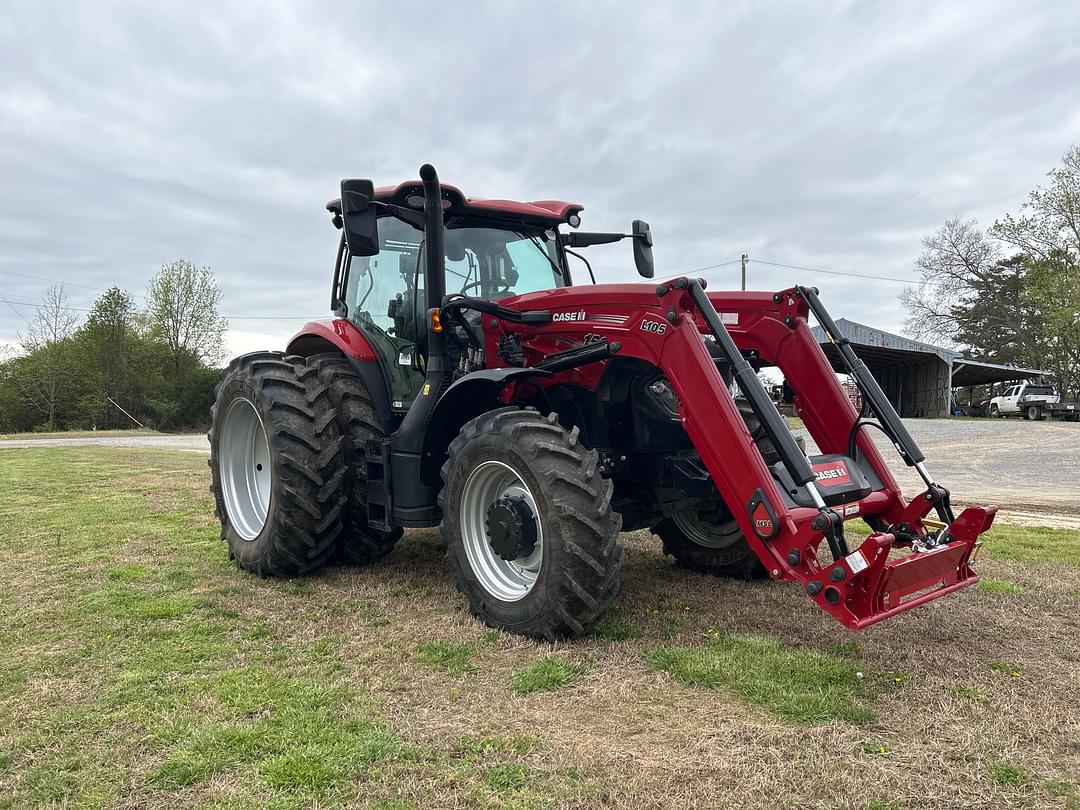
[488, 262]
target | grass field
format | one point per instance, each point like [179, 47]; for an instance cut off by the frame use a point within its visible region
[139, 668]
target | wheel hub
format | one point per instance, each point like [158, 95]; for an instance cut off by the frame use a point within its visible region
[511, 528]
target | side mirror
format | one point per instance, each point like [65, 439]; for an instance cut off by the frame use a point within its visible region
[360, 222]
[643, 257]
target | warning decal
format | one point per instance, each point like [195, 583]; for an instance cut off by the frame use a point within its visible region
[857, 562]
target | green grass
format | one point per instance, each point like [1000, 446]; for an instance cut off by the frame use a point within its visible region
[1008, 774]
[473, 747]
[546, 674]
[1038, 544]
[452, 657]
[1012, 776]
[878, 749]
[1005, 669]
[137, 666]
[1001, 587]
[797, 685]
[972, 693]
[506, 778]
[616, 630]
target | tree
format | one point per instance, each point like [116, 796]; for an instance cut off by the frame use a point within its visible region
[1050, 230]
[44, 376]
[958, 264]
[1048, 233]
[182, 305]
[107, 345]
[1023, 310]
[1053, 290]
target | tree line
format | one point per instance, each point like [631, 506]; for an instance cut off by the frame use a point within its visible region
[121, 366]
[1011, 293]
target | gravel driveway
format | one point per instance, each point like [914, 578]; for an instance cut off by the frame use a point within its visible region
[1031, 469]
[193, 442]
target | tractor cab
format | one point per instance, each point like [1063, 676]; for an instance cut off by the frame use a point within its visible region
[492, 249]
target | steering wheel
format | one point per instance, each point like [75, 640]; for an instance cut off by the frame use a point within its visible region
[472, 284]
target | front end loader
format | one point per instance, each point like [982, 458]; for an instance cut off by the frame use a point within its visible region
[467, 383]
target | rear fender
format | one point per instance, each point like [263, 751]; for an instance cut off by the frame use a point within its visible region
[340, 334]
[342, 337]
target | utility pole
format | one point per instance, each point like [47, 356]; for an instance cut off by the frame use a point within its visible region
[745, 259]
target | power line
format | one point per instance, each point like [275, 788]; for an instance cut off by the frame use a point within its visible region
[14, 304]
[12, 308]
[835, 272]
[53, 280]
[714, 266]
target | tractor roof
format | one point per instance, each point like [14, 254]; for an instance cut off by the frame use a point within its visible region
[410, 194]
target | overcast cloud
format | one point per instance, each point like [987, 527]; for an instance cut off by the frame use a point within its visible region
[834, 136]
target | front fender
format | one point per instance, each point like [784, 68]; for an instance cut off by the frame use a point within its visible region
[468, 397]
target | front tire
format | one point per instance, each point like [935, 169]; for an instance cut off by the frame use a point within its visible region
[528, 525]
[359, 543]
[994, 412]
[277, 471]
[709, 543]
[707, 538]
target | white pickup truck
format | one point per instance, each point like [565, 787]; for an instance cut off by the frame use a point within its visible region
[1028, 400]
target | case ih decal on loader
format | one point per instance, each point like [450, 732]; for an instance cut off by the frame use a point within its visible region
[533, 420]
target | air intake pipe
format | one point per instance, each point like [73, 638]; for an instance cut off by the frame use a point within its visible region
[410, 435]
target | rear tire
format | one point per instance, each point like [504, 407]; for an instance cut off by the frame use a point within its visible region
[276, 465]
[1034, 413]
[528, 525]
[359, 544]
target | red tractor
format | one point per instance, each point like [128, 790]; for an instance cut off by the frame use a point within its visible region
[534, 419]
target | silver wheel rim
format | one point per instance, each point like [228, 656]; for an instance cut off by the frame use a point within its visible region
[508, 580]
[244, 466]
[706, 533]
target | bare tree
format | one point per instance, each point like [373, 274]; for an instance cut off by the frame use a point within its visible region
[182, 304]
[1049, 230]
[955, 259]
[44, 375]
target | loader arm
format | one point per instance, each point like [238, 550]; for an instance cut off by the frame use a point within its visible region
[790, 515]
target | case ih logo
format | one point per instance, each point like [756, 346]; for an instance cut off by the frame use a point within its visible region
[833, 472]
[568, 316]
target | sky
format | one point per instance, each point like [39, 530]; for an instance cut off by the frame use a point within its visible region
[823, 135]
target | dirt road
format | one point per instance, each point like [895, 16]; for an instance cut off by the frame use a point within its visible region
[1030, 469]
